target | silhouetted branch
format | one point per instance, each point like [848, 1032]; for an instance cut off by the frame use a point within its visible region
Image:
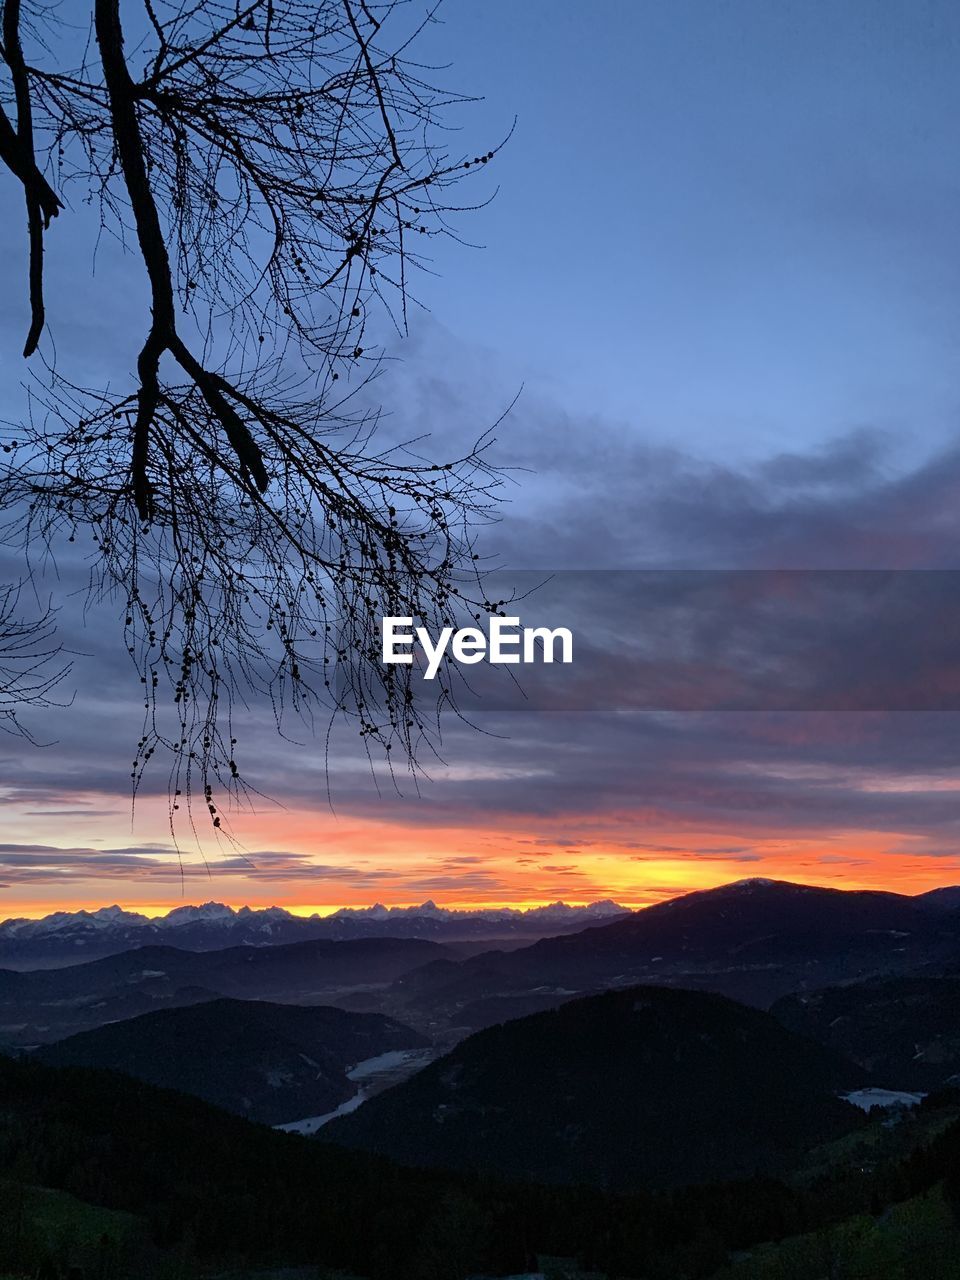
[30, 662]
[17, 152]
[277, 163]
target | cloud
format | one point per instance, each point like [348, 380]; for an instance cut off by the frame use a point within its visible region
[599, 497]
[51, 864]
[603, 498]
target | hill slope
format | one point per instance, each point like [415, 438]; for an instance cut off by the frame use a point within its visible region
[905, 1031]
[50, 1004]
[217, 1195]
[268, 1062]
[646, 1087]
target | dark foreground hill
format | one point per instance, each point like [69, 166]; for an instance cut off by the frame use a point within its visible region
[272, 1063]
[210, 1194]
[754, 941]
[646, 1087]
[905, 1031]
[50, 1004]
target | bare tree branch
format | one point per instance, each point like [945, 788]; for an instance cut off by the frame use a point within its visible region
[31, 664]
[17, 152]
[279, 166]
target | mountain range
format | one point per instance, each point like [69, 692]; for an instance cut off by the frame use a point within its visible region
[71, 937]
[755, 941]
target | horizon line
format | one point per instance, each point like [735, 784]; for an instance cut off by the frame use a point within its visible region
[306, 911]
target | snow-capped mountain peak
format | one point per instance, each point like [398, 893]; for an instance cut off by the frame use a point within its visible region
[67, 937]
[265, 913]
[209, 912]
[116, 915]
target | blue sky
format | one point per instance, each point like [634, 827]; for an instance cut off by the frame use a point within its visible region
[732, 224]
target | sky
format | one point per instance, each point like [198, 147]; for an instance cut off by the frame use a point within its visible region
[721, 269]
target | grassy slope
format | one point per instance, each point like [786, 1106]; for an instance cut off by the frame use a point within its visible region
[917, 1238]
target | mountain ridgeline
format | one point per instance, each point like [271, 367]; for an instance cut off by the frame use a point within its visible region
[754, 941]
[72, 937]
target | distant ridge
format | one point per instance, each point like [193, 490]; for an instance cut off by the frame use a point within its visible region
[43, 1005]
[220, 913]
[70, 937]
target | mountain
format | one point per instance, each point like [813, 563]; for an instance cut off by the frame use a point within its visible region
[648, 1087]
[49, 1004]
[755, 940]
[269, 1062]
[71, 937]
[905, 1031]
[944, 899]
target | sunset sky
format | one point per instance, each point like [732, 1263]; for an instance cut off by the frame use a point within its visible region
[723, 266]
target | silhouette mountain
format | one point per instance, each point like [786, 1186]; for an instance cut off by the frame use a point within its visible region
[638, 1088]
[754, 941]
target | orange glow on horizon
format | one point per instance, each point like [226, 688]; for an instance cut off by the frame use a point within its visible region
[920, 881]
[320, 862]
